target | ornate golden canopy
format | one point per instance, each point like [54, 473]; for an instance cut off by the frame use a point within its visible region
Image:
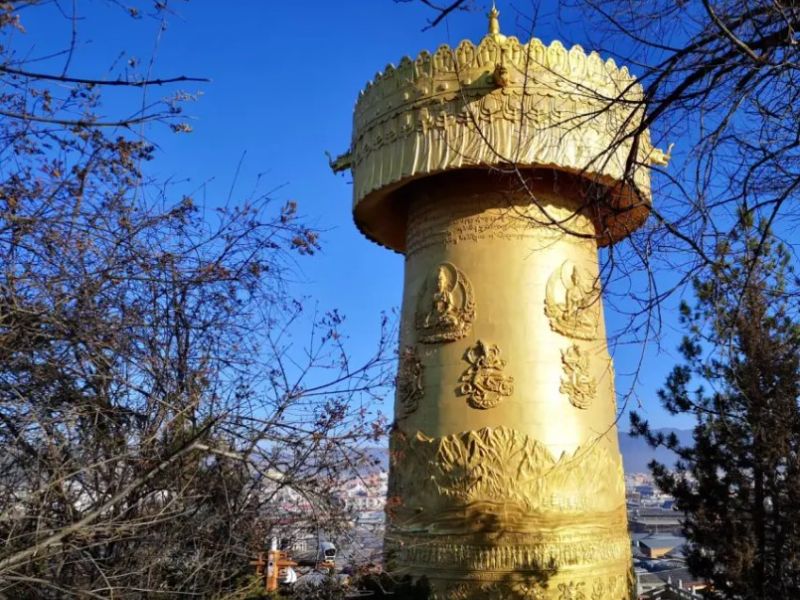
[501, 103]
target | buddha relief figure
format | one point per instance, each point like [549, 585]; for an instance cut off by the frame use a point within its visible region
[572, 302]
[446, 307]
[577, 383]
[443, 313]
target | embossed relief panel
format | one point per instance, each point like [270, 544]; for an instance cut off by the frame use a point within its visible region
[445, 307]
[455, 498]
[577, 382]
[541, 553]
[499, 476]
[485, 382]
[410, 381]
[572, 302]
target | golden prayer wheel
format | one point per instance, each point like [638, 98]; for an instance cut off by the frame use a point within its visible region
[498, 169]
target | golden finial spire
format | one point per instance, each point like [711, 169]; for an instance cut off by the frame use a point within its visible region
[494, 23]
[494, 20]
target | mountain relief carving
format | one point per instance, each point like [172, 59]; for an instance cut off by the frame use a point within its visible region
[498, 477]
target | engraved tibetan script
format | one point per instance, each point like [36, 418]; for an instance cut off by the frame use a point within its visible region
[484, 383]
[446, 306]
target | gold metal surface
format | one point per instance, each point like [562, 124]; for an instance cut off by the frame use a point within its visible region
[505, 475]
[498, 103]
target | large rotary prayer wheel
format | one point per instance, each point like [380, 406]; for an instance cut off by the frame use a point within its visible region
[498, 169]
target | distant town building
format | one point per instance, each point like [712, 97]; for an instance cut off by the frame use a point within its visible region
[659, 546]
[655, 520]
[366, 493]
[674, 584]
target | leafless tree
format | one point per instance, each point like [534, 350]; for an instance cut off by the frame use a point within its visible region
[440, 10]
[157, 410]
[720, 82]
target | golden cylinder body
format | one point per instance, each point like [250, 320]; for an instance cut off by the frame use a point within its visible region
[505, 474]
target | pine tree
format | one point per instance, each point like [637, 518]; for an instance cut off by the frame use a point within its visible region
[738, 483]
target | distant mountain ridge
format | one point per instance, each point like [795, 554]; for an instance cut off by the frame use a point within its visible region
[636, 454]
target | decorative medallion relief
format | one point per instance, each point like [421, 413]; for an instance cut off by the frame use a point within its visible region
[410, 381]
[572, 302]
[446, 306]
[577, 383]
[484, 383]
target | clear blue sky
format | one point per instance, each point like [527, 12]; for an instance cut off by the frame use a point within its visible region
[285, 76]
